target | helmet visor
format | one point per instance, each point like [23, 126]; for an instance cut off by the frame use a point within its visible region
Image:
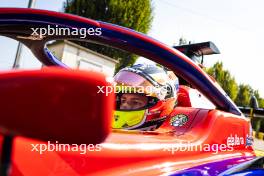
[131, 79]
[129, 82]
[128, 120]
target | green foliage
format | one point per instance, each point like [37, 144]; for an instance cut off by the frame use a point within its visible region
[261, 103]
[134, 14]
[225, 80]
[260, 100]
[238, 93]
[243, 96]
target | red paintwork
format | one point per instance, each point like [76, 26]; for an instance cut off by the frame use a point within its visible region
[48, 13]
[52, 102]
[183, 97]
[141, 153]
[138, 153]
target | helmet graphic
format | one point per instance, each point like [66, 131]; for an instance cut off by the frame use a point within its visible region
[145, 96]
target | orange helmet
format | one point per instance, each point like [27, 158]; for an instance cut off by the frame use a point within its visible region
[145, 97]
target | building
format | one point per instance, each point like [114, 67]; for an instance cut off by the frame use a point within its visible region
[79, 57]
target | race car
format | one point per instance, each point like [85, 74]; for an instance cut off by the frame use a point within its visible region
[57, 106]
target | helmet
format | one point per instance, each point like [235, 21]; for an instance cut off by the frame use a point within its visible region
[145, 97]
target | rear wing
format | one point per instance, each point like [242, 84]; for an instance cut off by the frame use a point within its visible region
[198, 50]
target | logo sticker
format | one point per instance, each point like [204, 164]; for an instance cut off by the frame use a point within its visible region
[179, 120]
[249, 140]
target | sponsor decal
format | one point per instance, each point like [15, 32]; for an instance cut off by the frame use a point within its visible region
[235, 140]
[249, 137]
[239, 140]
[179, 120]
[155, 112]
[249, 140]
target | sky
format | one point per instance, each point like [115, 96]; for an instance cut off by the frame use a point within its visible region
[235, 26]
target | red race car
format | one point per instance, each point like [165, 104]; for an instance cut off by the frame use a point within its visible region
[62, 126]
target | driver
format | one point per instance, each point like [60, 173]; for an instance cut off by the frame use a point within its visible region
[146, 95]
[132, 101]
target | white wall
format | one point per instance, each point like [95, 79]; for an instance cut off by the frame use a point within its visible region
[82, 58]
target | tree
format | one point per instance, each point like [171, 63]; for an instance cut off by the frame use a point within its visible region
[260, 100]
[243, 96]
[134, 14]
[238, 93]
[224, 78]
[261, 103]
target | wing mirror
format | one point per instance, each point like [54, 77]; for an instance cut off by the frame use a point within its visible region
[56, 105]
